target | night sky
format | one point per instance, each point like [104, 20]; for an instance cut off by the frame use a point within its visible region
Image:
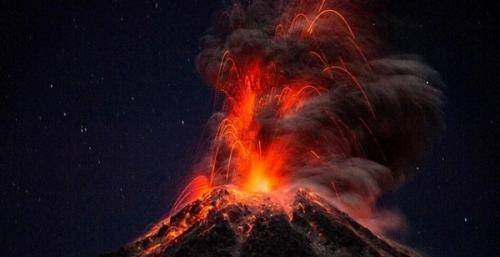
[102, 113]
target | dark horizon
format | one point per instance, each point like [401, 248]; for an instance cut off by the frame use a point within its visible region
[103, 113]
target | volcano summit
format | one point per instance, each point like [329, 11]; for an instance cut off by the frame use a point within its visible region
[228, 223]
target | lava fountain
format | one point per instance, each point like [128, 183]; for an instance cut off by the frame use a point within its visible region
[310, 100]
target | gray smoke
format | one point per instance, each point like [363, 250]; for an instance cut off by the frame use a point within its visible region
[366, 149]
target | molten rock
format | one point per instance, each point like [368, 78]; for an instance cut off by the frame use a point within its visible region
[225, 223]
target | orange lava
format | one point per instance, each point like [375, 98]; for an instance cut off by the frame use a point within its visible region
[252, 87]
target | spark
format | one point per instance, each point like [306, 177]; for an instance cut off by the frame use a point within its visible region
[250, 87]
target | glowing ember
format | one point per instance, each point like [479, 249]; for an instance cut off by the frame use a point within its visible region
[230, 222]
[258, 180]
[305, 106]
[252, 87]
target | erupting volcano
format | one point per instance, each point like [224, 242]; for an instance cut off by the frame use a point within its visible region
[316, 122]
[234, 223]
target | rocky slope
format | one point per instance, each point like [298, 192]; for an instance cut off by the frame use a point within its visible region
[225, 224]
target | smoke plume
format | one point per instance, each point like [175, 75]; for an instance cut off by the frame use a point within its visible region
[329, 108]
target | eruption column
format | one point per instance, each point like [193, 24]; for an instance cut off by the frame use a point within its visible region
[311, 100]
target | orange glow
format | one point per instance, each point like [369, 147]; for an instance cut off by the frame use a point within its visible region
[257, 180]
[245, 154]
[295, 110]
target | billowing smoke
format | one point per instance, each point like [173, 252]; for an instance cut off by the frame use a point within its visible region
[335, 111]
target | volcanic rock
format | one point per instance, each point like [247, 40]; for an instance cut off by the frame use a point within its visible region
[225, 224]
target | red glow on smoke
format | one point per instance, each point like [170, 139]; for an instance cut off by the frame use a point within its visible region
[251, 85]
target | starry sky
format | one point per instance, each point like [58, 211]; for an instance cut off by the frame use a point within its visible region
[102, 114]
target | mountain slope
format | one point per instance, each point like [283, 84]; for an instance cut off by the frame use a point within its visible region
[226, 223]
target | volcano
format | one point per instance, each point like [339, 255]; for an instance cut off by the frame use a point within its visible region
[305, 96]
[227, 222]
